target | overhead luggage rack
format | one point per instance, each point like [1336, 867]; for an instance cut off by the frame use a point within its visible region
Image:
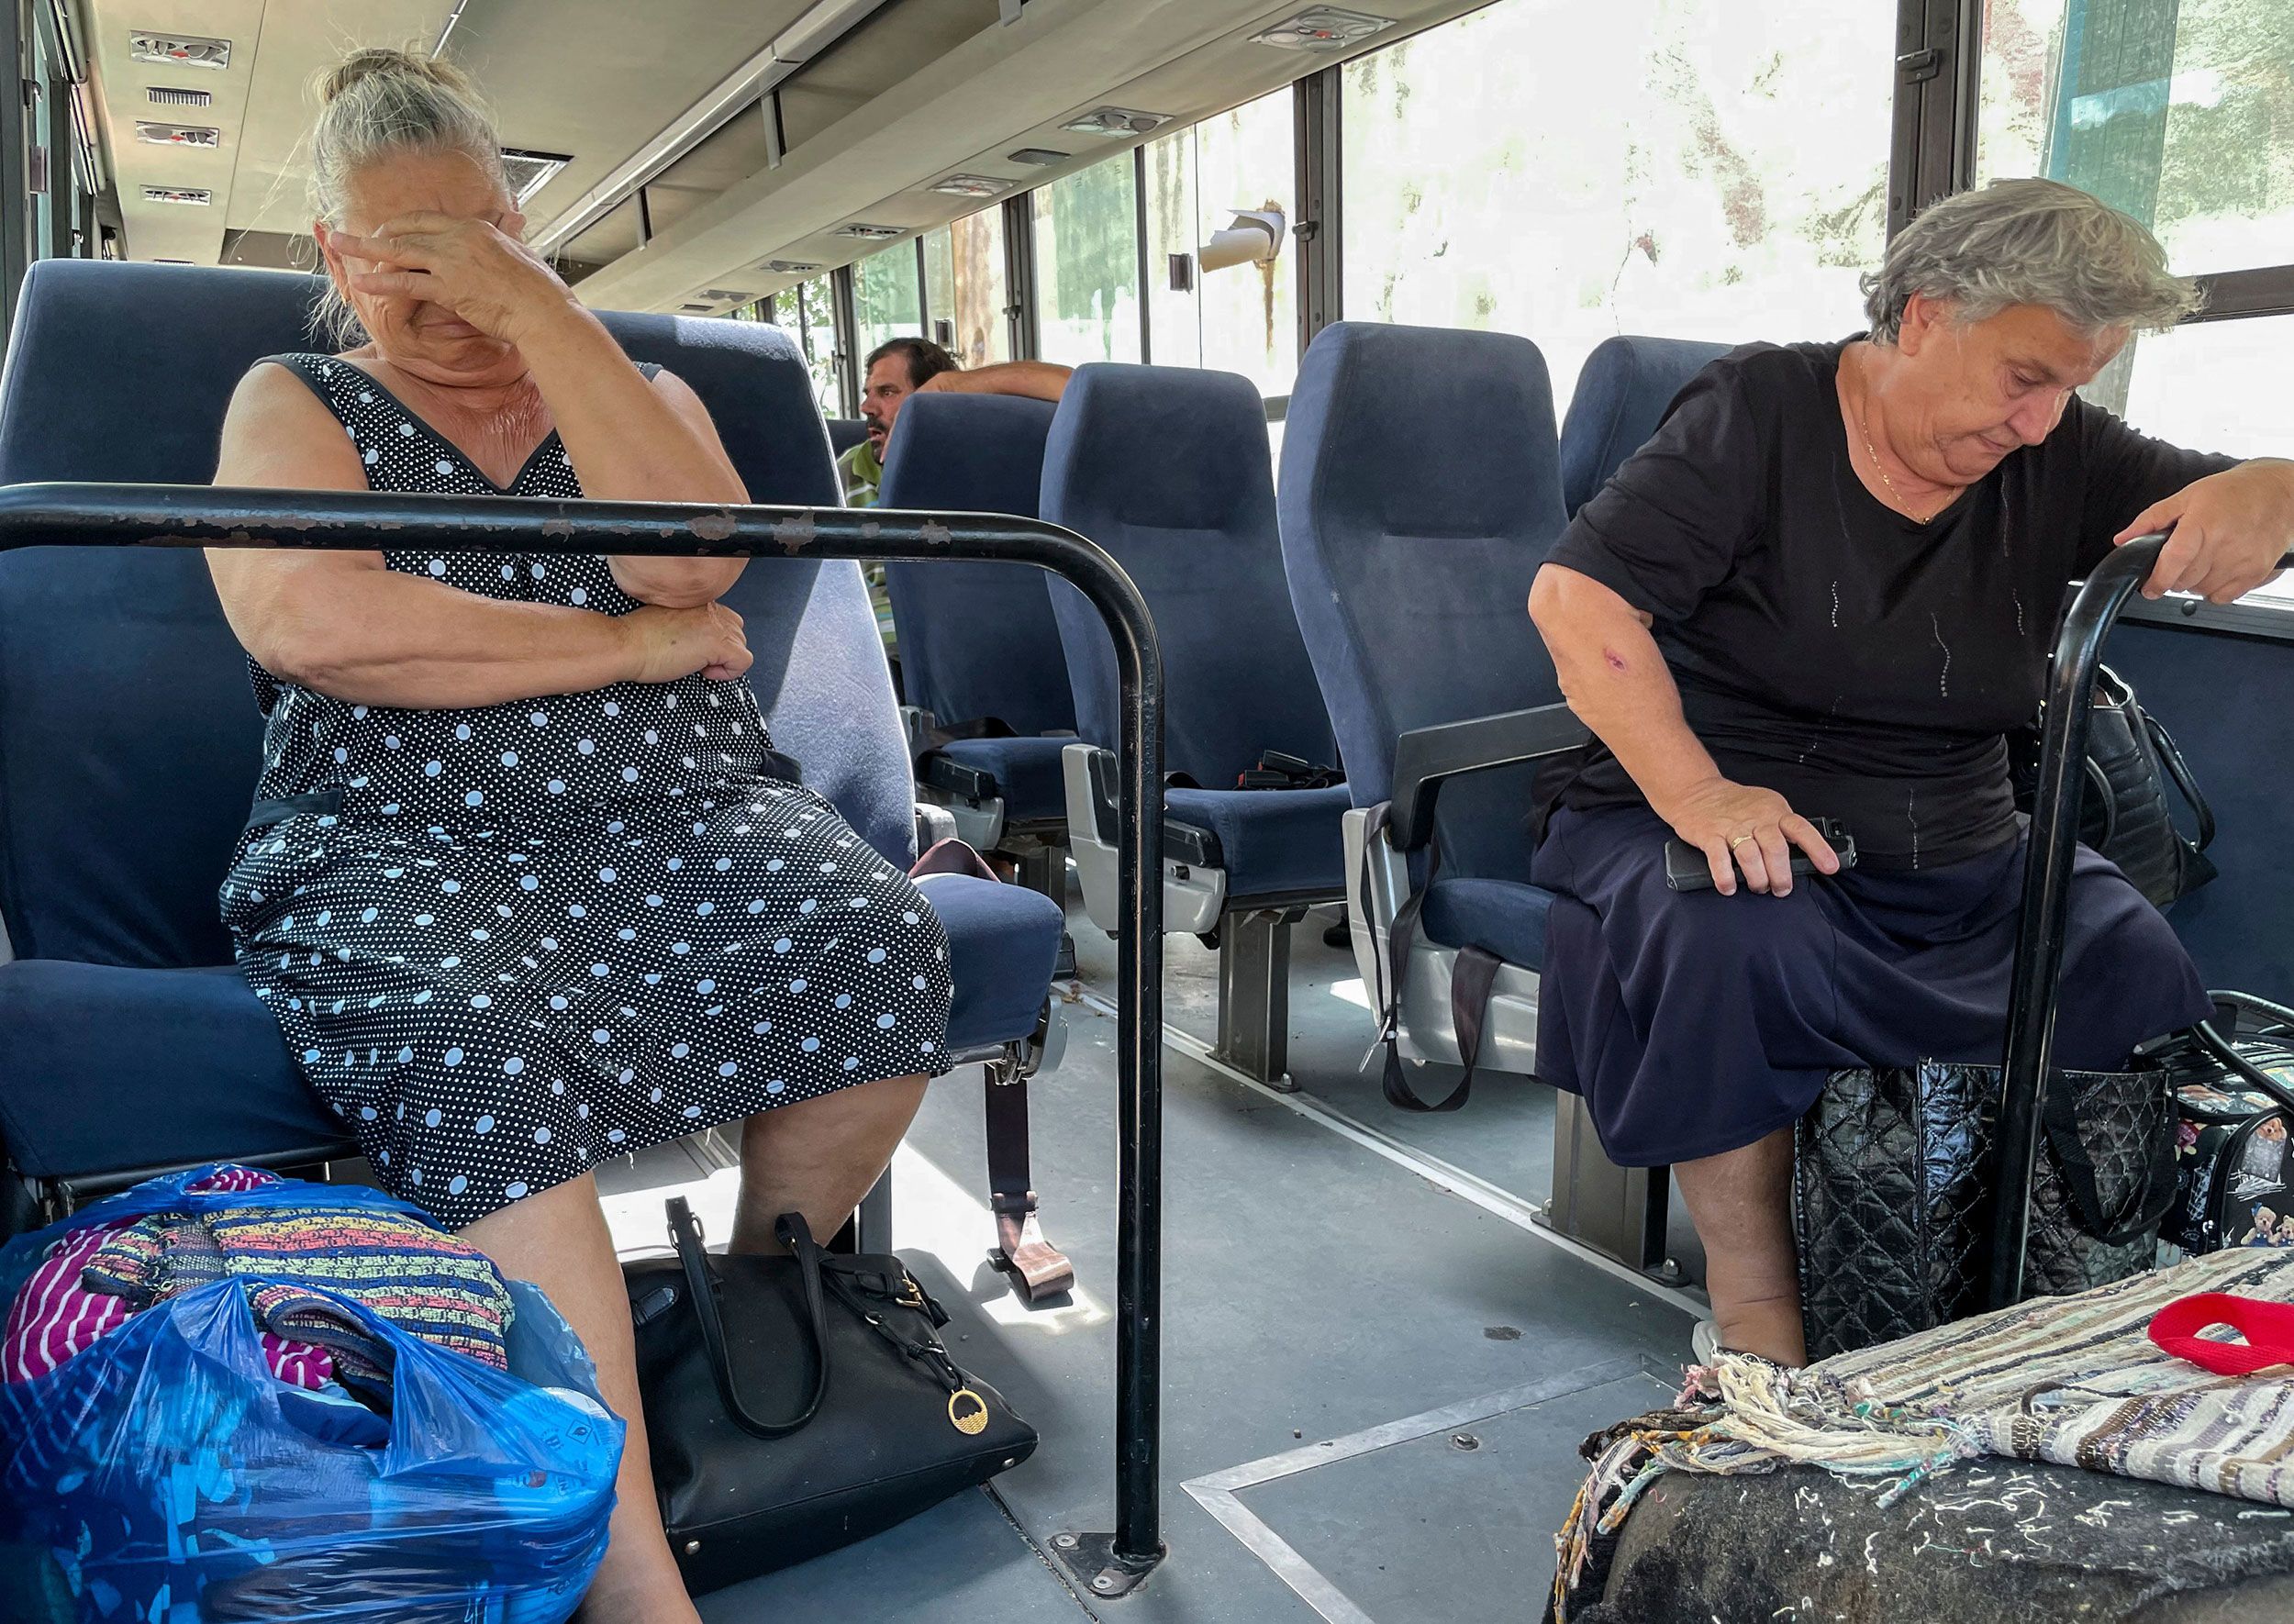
[161, 516]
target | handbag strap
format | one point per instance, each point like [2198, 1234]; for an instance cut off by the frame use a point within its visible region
[2267, 1326]
[2170, 760]
[701, 1289]
[2254, 1076]
[2079, 1173]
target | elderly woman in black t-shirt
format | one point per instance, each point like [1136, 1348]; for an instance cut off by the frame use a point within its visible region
[1826, 588]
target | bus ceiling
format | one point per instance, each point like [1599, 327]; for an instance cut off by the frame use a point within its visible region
[670, 151]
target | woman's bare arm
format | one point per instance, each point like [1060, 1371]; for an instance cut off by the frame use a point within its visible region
[631, 439]
[342, 624]
[1616, 681]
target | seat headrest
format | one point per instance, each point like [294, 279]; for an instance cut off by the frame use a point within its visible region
[1622, 395]
[1203, 433]
[967, 453]
[1426, 432]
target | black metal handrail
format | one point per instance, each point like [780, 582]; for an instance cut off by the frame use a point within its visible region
[2054, 837]
[80, 514]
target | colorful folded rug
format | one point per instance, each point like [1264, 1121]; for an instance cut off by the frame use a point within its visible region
[2074, 1379]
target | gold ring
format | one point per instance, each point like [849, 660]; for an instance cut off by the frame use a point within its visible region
[1738, 841]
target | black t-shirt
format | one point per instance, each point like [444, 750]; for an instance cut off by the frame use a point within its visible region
[1864, 666]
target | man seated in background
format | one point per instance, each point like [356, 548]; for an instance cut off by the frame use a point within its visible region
[895, 370]
[901, 367]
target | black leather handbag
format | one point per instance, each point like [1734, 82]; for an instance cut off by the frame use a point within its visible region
[2125, 812]
[799, 1403]
[1894, 1177]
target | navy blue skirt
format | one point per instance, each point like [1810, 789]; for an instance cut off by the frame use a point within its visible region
[1694, 1023]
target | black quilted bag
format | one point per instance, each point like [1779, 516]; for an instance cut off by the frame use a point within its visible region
[1893, 1183]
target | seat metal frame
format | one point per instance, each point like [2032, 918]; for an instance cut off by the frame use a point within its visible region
[1619, 1211]
[61, 514]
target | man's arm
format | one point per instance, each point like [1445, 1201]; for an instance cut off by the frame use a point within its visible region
[1037, 380]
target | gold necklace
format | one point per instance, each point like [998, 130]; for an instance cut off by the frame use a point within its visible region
[1902, 504]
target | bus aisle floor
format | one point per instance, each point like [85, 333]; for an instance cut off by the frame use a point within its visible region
[1373, 1387]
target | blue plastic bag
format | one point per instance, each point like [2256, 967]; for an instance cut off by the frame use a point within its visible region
[178, 1482]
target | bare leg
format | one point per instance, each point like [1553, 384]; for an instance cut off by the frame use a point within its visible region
[559, 1241]
[1740, 1202]
[819, 1157]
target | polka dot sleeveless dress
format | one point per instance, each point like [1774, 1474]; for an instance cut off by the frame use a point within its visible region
[509, 941]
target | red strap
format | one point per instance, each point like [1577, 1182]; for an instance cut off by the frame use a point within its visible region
[2268, 1329]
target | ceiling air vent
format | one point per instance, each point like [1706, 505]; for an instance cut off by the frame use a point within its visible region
[695, 309]
[1043, 156]
[528, 172]
[198, 196]
[791, 267]
[164, 95]
[1322, 27]
[973, 186]
[177, 134]
[872, 233]
[1116, 121]
[188, 51]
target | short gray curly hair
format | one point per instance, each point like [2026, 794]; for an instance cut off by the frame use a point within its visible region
[2029, 242]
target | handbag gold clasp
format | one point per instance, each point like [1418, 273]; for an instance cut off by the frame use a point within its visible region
[968, 1419]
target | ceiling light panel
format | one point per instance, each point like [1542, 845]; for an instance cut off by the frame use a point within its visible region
[528, 172]
[1116, 121]
[177, 134]
[869, 233]
[790, 267]
[1322, 27]
[180, 50]
[973, 186]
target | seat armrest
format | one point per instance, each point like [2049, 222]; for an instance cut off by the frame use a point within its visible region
[1425, 756]
[973, 784]
[933, 825]
[1182, 843]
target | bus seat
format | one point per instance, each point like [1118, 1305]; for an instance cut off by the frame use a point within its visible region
[977, 640]
[1420, 491]
[129, 740]
[844, 433]
[1622, 395]
[1168, 469]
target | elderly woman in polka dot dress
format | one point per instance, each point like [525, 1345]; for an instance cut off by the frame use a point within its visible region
[522, 887]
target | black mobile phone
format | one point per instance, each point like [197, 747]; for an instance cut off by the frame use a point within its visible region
[1686, 870]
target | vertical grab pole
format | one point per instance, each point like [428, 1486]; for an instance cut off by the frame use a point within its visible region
[2055, 836]
[1138, 1543]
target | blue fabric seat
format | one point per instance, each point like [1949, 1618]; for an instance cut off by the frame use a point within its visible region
[1420, 491]
[1026, 770]
[1502, 917]
[1168, 469]
[977, 640]
[844, 433]
[1622, 392]
[129, 738]
[1279, 842]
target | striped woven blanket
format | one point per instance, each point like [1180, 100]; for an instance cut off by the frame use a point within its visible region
[2074, 1379]
[419, 1277]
